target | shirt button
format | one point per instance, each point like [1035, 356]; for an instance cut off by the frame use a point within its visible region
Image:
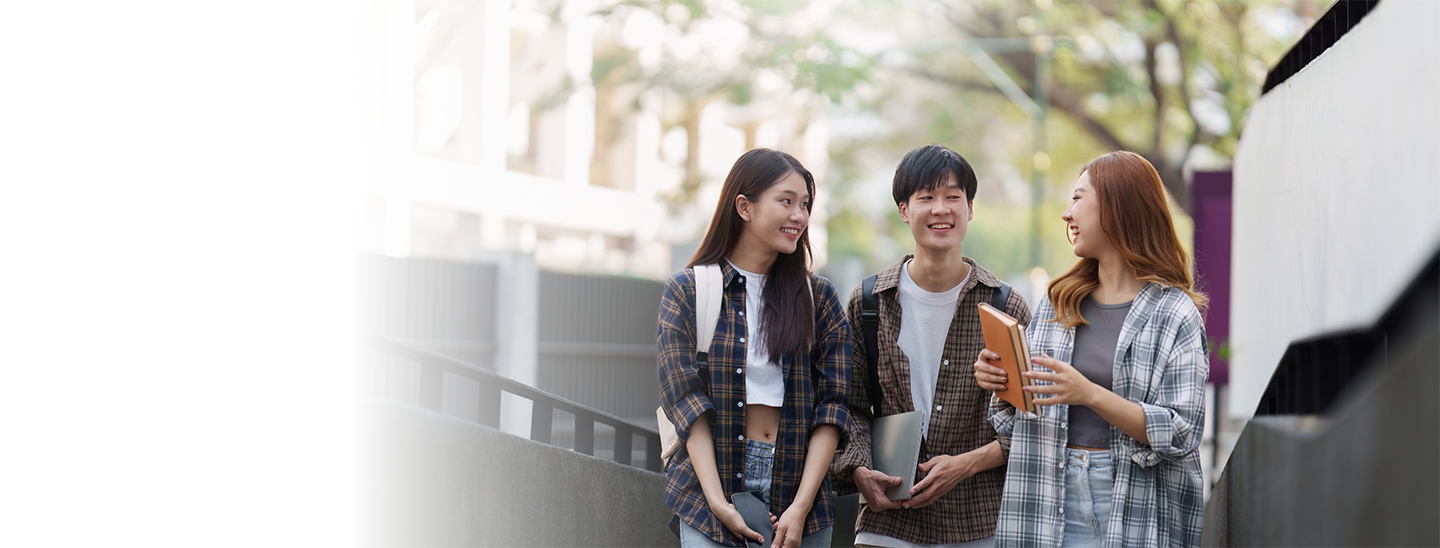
[937, 408]
[742, 313]
[742, 339]
[737, 371]
[738, 476]
[740, 279]
[1062, 511]
[741, 438]
[739, 404]
[947, 362]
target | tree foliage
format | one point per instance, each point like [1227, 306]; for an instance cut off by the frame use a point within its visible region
[1169, 79]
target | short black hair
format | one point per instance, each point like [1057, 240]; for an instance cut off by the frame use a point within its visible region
[925, 168]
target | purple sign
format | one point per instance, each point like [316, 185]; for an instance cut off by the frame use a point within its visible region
[1212, 215]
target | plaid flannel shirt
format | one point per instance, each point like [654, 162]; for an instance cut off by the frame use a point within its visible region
[958, 425]
[817, 386]
[1161, 364]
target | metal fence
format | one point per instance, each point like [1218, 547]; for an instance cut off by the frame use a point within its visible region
[1341, 450]
[427, 375]
[597, 342]
[592, 345]
[444, 306]
[1338, 20]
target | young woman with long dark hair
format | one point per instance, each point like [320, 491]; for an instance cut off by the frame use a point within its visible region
[1119, 359]
[768, 413]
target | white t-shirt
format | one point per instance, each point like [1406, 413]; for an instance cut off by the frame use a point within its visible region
[924, 322]
[764, 380]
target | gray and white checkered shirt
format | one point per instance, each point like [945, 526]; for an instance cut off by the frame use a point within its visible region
[1158, 497]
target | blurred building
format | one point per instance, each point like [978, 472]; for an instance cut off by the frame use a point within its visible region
[496, 136]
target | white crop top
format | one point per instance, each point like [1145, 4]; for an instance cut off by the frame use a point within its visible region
[764, 380]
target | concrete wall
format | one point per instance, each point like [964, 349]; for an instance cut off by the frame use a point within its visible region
[432, 480]
[1365, 475]
[1337, 189]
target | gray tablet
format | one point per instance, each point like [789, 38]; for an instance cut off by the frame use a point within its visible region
[757, 517]
[895, 449]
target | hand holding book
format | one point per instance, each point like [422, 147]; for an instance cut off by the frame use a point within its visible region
[1002, 365]
[988, 373]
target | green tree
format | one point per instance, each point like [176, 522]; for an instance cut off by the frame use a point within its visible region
[1168, 79]
[777, 39]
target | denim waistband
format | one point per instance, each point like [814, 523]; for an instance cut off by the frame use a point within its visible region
[1081, 457]
[757, 448]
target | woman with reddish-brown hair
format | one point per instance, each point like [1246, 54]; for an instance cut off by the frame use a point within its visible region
[1118, 360]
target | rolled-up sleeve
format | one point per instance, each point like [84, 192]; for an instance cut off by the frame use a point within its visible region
[1002, 417]
[1174, 421]
[682, 390]
[830, 358]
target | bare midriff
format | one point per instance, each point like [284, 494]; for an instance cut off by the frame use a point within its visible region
[762, 422]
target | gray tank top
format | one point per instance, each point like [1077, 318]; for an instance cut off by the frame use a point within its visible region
[1094, 357]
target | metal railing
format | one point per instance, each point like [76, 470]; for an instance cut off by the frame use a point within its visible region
[587, 338]
[432, 369]
[1314, 372]
[1338, 20]
[1340, 451]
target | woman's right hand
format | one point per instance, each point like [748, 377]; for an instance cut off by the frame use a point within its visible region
[988, 373]
[730, 518]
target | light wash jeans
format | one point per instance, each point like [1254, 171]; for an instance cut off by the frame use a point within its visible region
[872, 540]
[1089, 478]
[759, 466]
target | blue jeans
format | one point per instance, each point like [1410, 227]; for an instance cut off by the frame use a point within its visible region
[1089, 478]
[759, 467]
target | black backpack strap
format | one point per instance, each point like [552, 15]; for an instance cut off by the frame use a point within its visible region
[1001, 297]
[870, 327]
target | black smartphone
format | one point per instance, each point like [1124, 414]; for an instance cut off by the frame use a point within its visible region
[757, 517]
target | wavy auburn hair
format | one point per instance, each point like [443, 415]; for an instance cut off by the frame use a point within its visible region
[789, 315]
[1136, 218]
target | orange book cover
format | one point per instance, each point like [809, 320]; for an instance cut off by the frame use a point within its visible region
[1005, 336]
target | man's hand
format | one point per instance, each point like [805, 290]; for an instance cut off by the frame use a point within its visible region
[942, 474]
[872, 485]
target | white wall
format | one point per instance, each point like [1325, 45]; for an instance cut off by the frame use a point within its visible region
[1337, 191]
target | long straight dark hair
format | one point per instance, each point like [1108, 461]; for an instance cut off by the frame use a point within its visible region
[789, 315]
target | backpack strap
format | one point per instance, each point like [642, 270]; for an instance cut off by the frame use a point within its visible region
[709, 292]
[870, 328]
[1001, 297]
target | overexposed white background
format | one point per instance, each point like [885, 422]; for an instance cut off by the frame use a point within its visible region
[176, 288]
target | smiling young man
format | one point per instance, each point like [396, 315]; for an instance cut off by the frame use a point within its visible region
[928, 332]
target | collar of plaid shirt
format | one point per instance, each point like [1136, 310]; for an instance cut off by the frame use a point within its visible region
[816, 392]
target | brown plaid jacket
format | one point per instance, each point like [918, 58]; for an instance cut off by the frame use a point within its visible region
[969, 511]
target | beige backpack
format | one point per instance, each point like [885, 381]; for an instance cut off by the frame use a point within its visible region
[709, 292]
